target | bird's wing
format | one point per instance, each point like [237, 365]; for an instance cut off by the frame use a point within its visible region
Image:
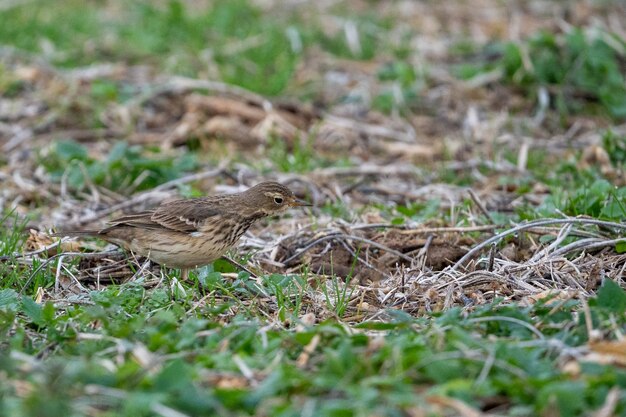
[141, 219]
[185, 215]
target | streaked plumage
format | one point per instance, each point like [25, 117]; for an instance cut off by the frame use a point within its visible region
[194, 232]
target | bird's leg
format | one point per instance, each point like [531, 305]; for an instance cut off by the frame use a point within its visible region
[184, 274]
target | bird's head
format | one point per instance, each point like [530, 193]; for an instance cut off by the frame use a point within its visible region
[271, 198]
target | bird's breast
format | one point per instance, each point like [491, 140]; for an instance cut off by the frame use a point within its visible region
[225, 231]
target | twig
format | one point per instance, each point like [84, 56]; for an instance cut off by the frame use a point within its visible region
[349, 237]
[492, 256]
[182, 84]
[530, 225]
[30, 254]
[309, 246]
[75, 279]
[427, 230]
[58, 274]
[480, 205]
[422, 254]
[372, 130]
[240, 266]
[363, 261]
[405, 170]
[406, 230]
[587, 244]
[94, 255]
[139, 273]
[563, 233]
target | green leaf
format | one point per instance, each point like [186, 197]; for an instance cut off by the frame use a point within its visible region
[614, 210]
[612, 296]
[48, 312]
[568, 397]
[176, 375]
[117, 152]
[442, 371]
[210, 280]
[32, 310]
[376, 325]
[8, 298]
[620, 247]
[104, 90]
[68, 150]
[222, 265]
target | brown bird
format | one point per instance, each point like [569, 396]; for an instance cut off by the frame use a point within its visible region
[194, 232]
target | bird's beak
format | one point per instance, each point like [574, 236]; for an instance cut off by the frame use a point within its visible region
[296, 202]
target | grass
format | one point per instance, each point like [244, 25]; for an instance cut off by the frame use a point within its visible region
[581, 70]
[181, 37]
[125, 168]
[139, 31]
[134, 352]
[292, 342]
[600, 200]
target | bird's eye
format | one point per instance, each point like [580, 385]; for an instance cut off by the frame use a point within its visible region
[278, 200]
